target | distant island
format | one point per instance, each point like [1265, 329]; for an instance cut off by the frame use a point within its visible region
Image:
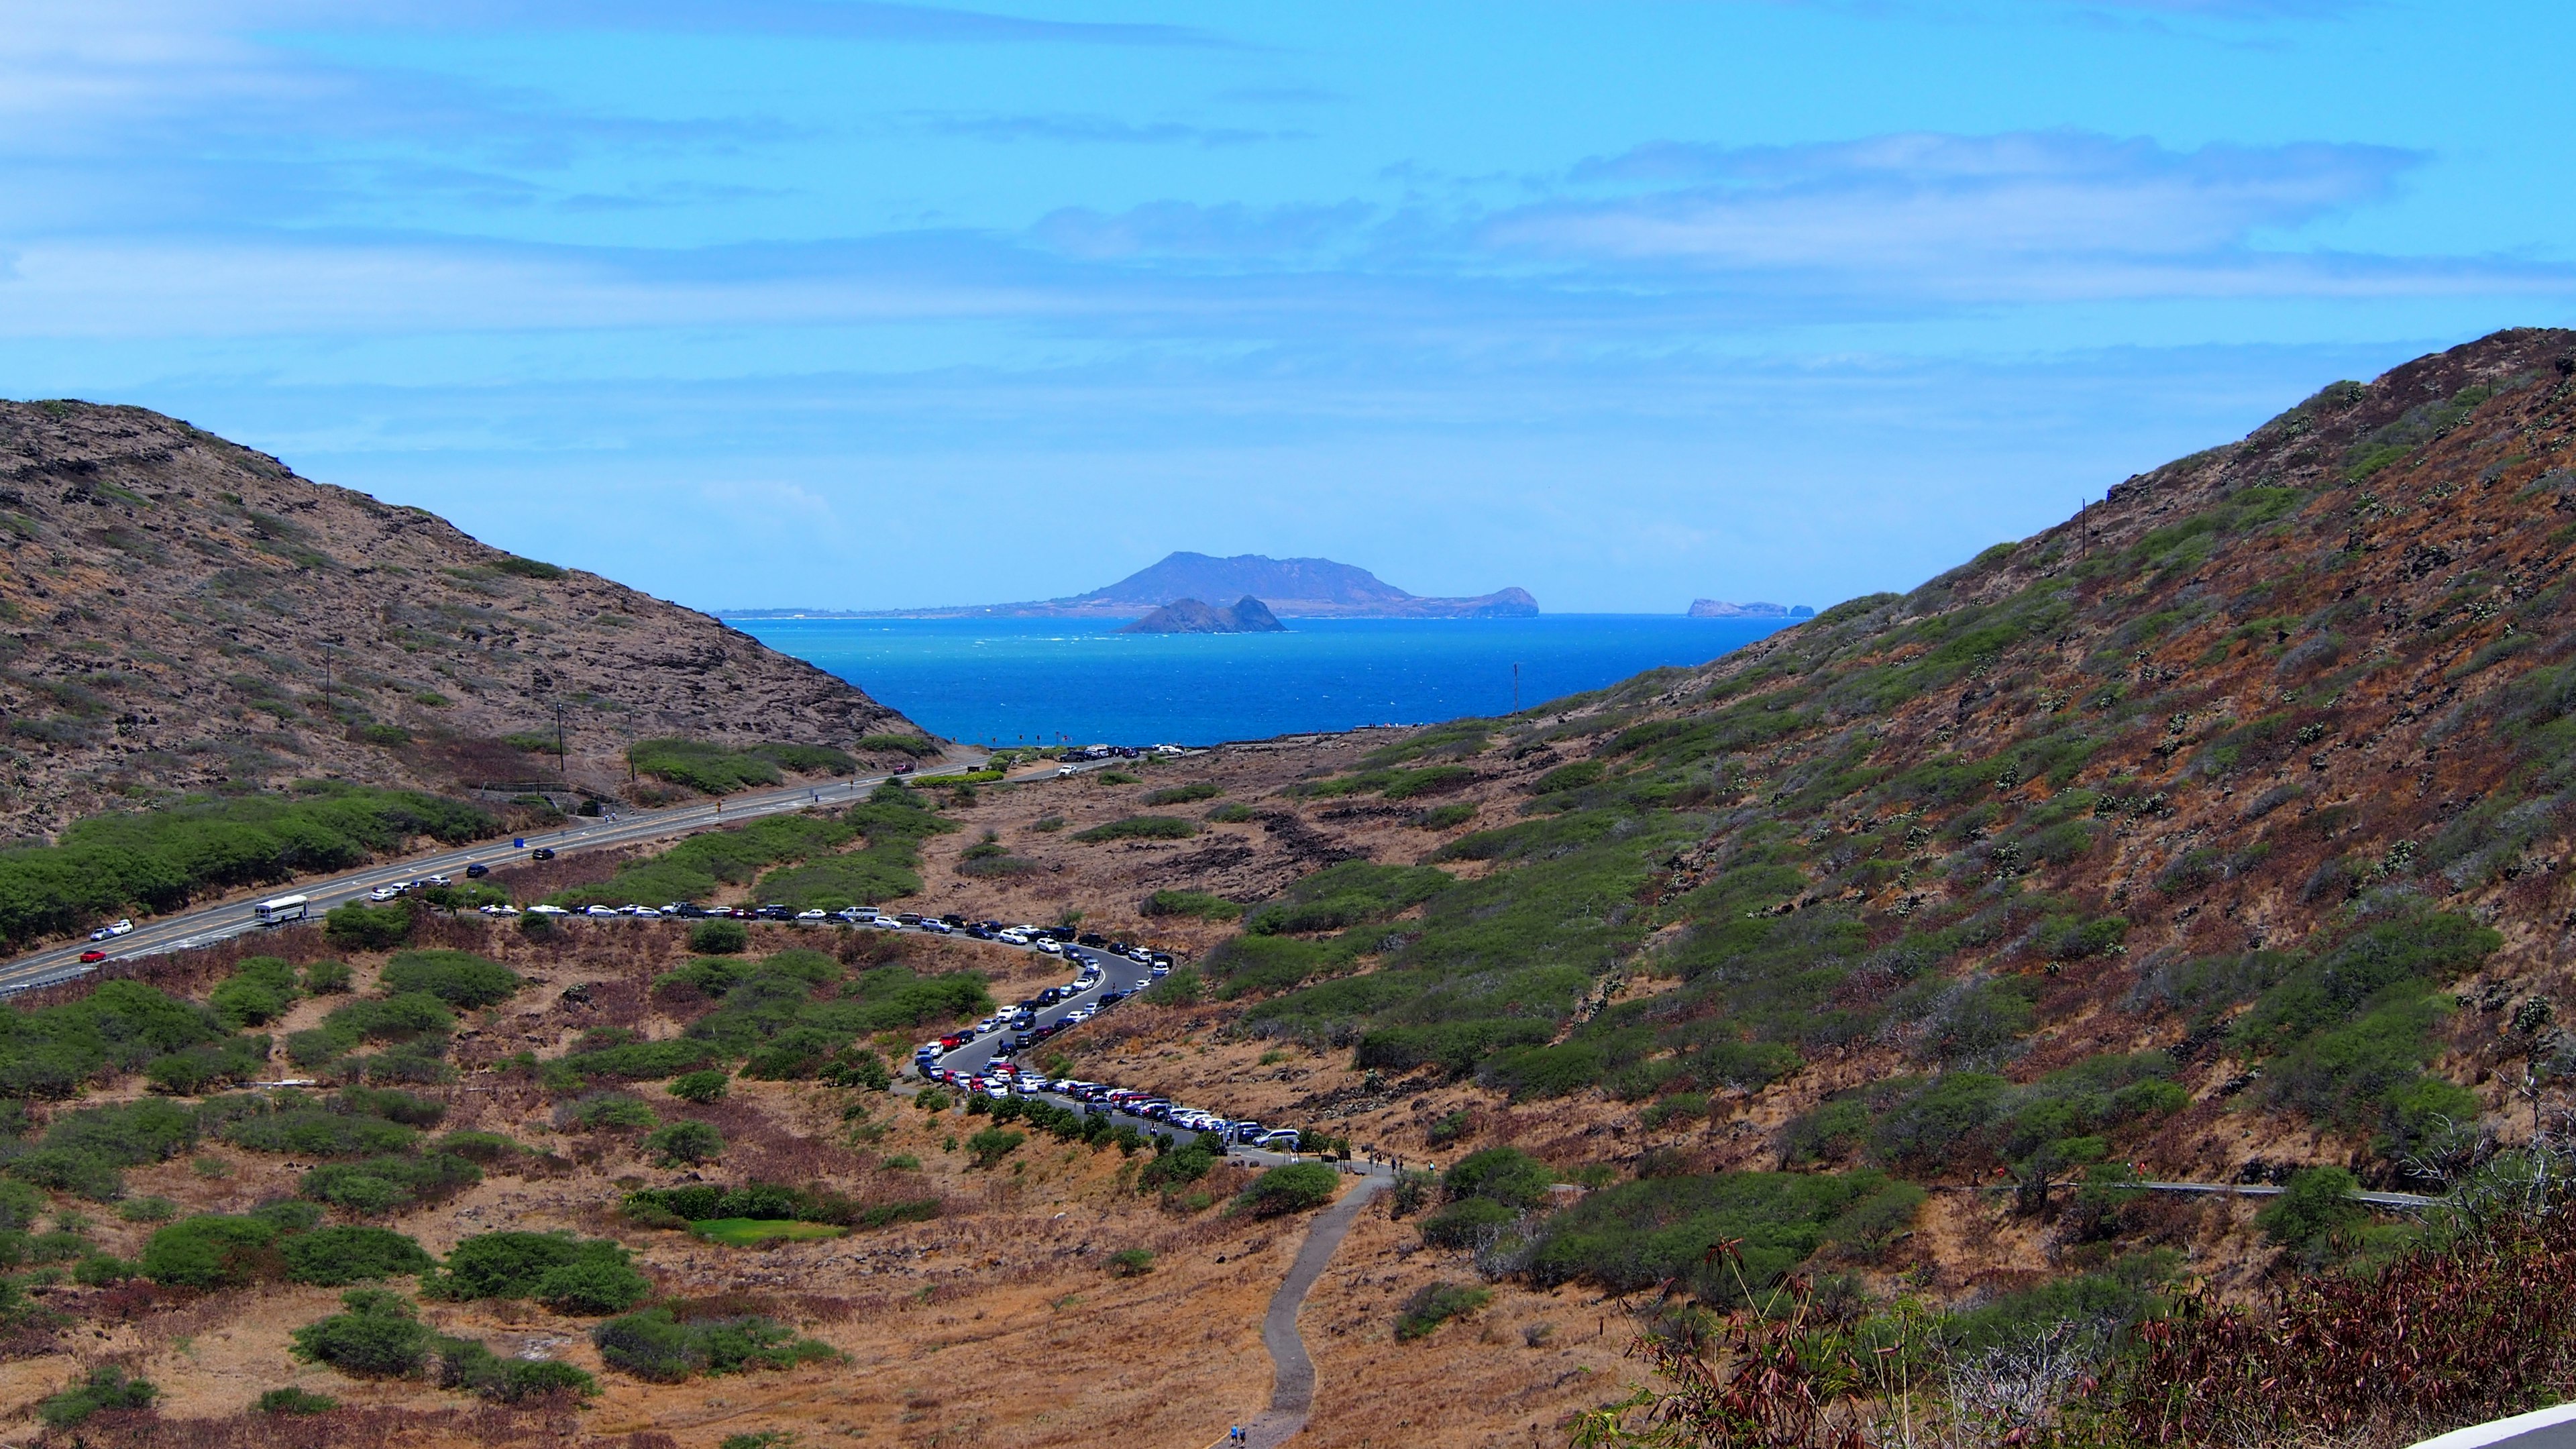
[1290, 588]
[1721, 609]
[1189, 616]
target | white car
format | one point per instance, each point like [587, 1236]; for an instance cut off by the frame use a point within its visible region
[813, 915]
[1049, 947]
[381, 894]
[599, 910]
[432, 880]
[1011, 938]
[548, 911]
[853, 915]
[503, 910]
[109, 932]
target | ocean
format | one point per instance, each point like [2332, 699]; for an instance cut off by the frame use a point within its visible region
[1064, 681]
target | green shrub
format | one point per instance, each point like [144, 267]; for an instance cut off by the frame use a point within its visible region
[1639, 1234]
[459, 979]
[1442, 817]
[1434, 1304]
[259, 991]
[608, 1112]
[212, 1250]
[701, 766]
[1184, 794]
[1140, 827]
[1183, 987]
[643, 1061]
[1462, 1224]
[358, 926]
[2315, 1205]
[920, 747]
[1505, 1175]
[686, 1143]
[1227, 815]
[1293, 1188]
[384, 1184]
[145, 1209]
[991, 1145]
[379, 1336]
[327, 978]
[315, 1132]
[1131, 1262]
[719, 938]
[294, 1401]
[1200, 904]
[101, 1270]
[657, 1346]
[339, 1256]
[568, 1274]
[107, 1387]
[699, 1087]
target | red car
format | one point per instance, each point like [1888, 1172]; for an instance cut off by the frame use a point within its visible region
[92, 958]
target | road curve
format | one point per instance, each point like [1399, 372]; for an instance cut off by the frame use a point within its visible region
[220, 920]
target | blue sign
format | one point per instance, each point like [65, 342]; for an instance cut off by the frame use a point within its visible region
[518, 842]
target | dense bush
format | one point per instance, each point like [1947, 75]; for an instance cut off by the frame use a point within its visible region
[1293, 1188]
[1140, 827]
[317, 1132]
[893, 822]
[658, 1346]
[160, 859]
[719, 938]
[701, 765]
[53, 1050]
[1184, 794]
[568, 1274]
[385, 1184]
[294, 1401]
[685, 1143]
[699, 1087]
[86, 1152]
[378, 1336]
[1191, 903]
[459, 979]
[106, 1387]
[212, 1251]
[1638, 1234]
[339, 1256]
[608, 1112]
[259, 991]
[1434, 1304]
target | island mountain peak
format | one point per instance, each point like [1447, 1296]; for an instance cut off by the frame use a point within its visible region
[1293, 588]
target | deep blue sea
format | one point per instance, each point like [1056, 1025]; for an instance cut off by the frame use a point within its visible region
[1059, 681]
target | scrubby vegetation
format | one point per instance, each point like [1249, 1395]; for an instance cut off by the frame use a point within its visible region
[704, 765]
[161, 859]
[799, 860]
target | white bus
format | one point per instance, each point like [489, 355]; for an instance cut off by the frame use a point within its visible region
[281, 910]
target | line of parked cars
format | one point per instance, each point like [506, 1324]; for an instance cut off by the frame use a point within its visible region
[1002, 1078]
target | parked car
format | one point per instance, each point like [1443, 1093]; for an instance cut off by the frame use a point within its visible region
[477, 871]
[599, 910]
[111, 931]
[384, 893]
[813, 915]
[548, 911]
[542, 852]
[1283, 1139]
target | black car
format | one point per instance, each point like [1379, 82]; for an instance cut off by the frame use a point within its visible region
[1093, 938]
[542, 852]
[689, 909]
[775, 912]
[954, 920]
[477, 871]
[979, 933]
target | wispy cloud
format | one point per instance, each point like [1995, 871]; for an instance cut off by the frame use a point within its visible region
[2052, 213]
[1090, 130]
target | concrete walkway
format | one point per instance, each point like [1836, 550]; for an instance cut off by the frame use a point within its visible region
[1292, 1385]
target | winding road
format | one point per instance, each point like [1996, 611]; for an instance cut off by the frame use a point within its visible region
[1292, 1390]
[220, 920]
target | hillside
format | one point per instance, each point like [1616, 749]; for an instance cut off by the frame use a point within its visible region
[1189, 616]
[180, 614]
[1294, 588]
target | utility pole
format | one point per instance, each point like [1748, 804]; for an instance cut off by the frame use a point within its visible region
[1516, 689]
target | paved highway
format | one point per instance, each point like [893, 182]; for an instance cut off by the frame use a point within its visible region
[219, 920]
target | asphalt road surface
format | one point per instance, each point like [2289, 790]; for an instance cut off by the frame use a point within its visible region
[2544, 1429]
[201, 925]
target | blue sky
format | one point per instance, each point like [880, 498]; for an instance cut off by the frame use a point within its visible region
[854, 304]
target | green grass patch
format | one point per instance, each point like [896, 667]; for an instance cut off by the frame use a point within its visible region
[1140, 827]
[749, 1232]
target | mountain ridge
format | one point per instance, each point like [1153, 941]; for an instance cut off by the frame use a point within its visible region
[181, 614]
[1294, 588]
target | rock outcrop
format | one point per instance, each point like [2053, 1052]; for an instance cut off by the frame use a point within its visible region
[1188, 616]
[1721, 609]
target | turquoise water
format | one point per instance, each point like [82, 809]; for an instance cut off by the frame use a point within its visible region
[1058, 681]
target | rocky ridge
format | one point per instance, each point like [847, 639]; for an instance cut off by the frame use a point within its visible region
[179, 613]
